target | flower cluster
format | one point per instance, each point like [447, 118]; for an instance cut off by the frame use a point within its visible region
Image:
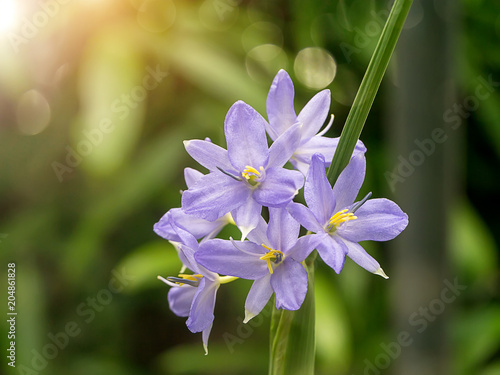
[250, 175]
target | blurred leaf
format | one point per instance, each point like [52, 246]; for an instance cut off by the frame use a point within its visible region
[147, 262]
[481, 327]
[112, 95]
[473, 249]
[333, 337]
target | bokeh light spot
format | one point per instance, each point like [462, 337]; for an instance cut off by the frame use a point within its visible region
[33, 113]
[156, 16]
[8, 14]
[264, 61]
[315, 67]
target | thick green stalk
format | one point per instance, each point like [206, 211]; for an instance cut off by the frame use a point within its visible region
[368, 88]
[293, 345]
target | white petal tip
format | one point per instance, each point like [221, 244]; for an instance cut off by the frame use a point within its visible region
[248, 316]
[381, 272]
[244, 232]
[206, 349]
[186, 143]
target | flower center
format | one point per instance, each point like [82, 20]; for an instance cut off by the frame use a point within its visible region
[272, 255]
[193, 280]
[252, 175]
[339, 218]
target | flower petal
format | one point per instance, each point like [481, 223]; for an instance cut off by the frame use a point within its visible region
[283, 229]
[279, 187]
[247, 216]
[318, 191]
[245, 131]
[377, 220]
[196, 226]
[305, 217]
[349, 182]
[333, 251]
[257, 297]
[361, 257]
[315, 145]
[289, 282]
[214, 195]
[204, 337]
[225, 258]
[163, 227]
[305, 245]
[191, 176]
[201, 315]
[208, 154]
[280, 108]
[314, 113]
[180, 299]
[284, 146]
[259, 234]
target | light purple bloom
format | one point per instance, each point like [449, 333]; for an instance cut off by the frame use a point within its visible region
[247, 176]
[198, 227]
[193, 295]
[282, 116]
[340, 223]
[271, 257]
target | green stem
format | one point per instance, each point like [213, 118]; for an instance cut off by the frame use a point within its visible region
[368, 88]
[293, 345]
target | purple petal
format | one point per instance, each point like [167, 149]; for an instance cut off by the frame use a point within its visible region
[349, 182]
[214, 195]
[197, 227]
[305, 217]
[318, 191]
[208, 154]
[289, 282]
[283, 229]
[259, 234]
[187, 247]
[279, 187]
[258, 296]
[201, 315]
[280, 108]
[225, 258]
[314, 113]
[247, 216]
[377, 220]
[245, 131]
[163, 227]
[180, 299]
[315, 145]
[191, 176]
[361, 257]
[305, 245]
[333, 251]
[284, 146]
[204, 337]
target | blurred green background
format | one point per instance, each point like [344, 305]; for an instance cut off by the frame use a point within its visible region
[95, 100]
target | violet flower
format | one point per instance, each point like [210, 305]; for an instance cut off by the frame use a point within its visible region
[271, 257]
[340, 223]
[198, 227]
[247, 176]
[193, 295]
[282, 116]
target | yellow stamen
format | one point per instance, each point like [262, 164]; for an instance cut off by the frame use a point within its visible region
[251, 174]
[341, 217]
[190, 277]
[273, 255]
